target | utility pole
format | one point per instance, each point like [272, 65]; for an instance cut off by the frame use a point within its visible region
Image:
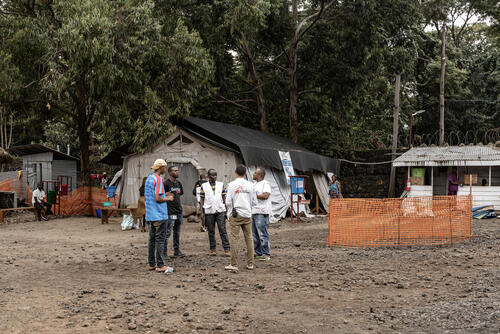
[395, 128]
[441, 86]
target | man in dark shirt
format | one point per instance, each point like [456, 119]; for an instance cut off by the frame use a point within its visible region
[174, 186]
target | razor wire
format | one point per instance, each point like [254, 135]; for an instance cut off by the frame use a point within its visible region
[452, 138]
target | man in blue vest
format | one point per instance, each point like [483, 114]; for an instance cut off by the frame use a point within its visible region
[156, 215]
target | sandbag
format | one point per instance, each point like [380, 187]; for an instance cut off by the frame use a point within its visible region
[127, 222]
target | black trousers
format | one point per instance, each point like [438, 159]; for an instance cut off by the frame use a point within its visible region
[218, 219]
[39, 208]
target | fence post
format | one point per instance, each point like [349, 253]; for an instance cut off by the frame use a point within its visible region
[399, 222]
[450, 198]
[471, 203]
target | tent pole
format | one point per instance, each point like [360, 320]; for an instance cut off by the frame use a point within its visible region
[489, 177]
[432, 181]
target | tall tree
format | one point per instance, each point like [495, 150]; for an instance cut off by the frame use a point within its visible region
[300, 28]
[103, 61]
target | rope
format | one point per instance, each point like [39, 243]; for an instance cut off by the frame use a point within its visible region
[365, 163]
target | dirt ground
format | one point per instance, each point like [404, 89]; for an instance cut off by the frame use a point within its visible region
[75, 275]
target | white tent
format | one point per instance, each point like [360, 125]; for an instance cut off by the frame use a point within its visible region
[199, 145]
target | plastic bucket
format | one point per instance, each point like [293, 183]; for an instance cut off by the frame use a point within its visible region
[418, 172]
[98, 213]
[51, 196]
[64, 189]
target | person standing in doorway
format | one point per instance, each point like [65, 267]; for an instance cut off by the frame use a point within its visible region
[199, 209]
[261, 211]
[212, 199]
[453, 182]
[239, 207]
[174, 187]
[156, 215]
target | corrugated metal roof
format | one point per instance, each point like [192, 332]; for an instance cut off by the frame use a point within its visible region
[450, 156]
[39, 148]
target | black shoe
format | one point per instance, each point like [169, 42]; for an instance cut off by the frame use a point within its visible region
[178, 253]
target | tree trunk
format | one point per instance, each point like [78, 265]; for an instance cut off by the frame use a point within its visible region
[292, 74]
[395, 130]
[1, 128]
[441, 86]
[259, 93]
[84, 138]
[10, 133]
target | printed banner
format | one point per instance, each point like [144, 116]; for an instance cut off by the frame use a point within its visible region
[286, 161]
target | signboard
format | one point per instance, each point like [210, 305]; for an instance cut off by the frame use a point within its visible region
[286, 161]
[298, 185]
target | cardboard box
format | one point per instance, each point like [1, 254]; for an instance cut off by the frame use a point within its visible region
[417, 180]
[467, 179]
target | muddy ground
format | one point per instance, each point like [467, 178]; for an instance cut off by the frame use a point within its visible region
[75, 275]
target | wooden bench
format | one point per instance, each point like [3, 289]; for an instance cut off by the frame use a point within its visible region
[107, 211]
[4, 212]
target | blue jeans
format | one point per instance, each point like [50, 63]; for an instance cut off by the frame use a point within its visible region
[156, 243]
[260, 236]
[176, 224]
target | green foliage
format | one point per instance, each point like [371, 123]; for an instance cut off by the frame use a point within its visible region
[57, 134]
[124, 70]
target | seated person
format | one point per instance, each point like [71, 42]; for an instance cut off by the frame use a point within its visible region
[38, 201]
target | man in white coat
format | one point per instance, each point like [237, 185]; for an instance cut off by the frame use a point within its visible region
[239, 206]
[212, 199]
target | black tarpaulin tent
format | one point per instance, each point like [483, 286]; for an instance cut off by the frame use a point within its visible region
[198, 145]
[260, 148]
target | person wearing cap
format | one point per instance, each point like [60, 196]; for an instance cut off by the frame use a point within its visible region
[156, 215]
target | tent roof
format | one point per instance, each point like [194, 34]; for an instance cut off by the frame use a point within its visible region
[116, 156]
[450, 156]
[259, 148]
[39, 148]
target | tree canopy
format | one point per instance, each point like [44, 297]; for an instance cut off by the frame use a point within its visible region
[101, 73]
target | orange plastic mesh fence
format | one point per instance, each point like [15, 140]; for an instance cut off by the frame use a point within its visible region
[81, 201]
[396, 221]
[5, 185]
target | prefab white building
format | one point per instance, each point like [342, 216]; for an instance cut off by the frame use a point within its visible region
[41, 163]
[480, 161]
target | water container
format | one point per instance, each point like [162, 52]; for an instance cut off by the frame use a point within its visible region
[64, 189]
[51, 196]
[98, 213]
